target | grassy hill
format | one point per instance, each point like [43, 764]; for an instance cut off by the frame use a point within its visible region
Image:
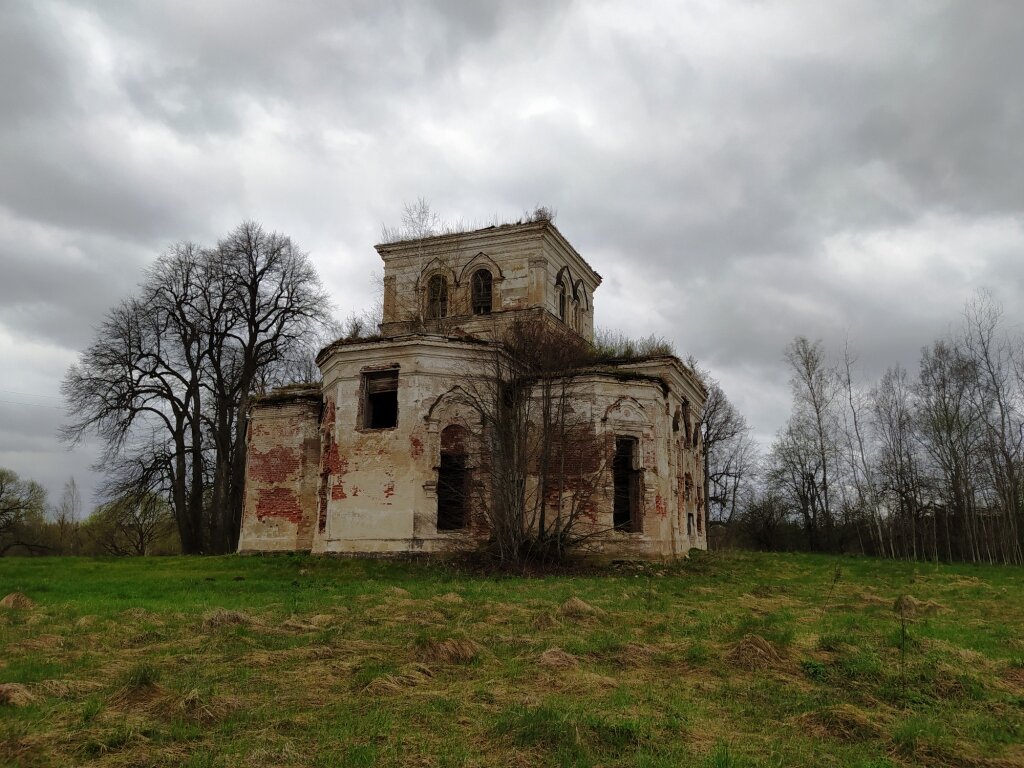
[726, 660]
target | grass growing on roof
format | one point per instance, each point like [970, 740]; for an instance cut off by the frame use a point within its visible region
[726, 660]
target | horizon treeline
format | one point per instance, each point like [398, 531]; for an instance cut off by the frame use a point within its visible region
[923, 464]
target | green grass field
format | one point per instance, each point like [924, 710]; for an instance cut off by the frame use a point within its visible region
[726, 660]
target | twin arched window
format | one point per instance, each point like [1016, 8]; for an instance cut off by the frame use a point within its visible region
[482, 287]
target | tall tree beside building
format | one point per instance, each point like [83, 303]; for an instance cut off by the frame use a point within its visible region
[168, 378]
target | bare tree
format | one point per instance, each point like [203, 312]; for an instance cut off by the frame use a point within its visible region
[167, 382]
[899, 470]
[544, 457]
[815, 389]
[131, 525]
[67, 519]
[22, 511]
[728, 453]
[1002, 406]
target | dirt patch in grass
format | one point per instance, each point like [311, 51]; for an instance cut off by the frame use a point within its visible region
[451, 651]
[16, 695]
[556, 658]
[17, 600]
[754, 652]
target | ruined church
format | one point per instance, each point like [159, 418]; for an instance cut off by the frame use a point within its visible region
[389, 454]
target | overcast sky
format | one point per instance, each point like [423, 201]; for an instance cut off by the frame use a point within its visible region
[739, 173]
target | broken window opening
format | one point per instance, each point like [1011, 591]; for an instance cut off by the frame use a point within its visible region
[482, 292]
[380, 404]
[689, 524]
[451, 492]
[437, 297]
[561, 301]
[626, 481]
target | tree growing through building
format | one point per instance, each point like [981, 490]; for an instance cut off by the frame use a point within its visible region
[544, 457]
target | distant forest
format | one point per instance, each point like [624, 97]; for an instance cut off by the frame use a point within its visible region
[923, 465]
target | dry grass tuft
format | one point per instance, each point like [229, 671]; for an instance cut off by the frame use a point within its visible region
[17, 600]
[754, 652]
[322, 619]
[909, 607]
[16, 694]
[206, 709]
[869, 599]
[576, 608]
[85, 622]
[556, 658]
[68, 689]
[398, 592]
[221, 617]
[42, 643]
[141, 614]
[450, 597]
[636, 654]
[1013, 678]
[451, 651]
[407, 677]
[844, 722]
[546, 620]
[298, 625]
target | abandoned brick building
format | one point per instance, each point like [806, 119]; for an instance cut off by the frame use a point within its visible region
[375, 458]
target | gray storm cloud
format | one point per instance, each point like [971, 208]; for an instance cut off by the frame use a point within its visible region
[739, 173]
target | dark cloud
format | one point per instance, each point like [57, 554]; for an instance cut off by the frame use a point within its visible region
[739, 173]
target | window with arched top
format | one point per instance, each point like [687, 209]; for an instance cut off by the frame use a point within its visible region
[482, 287]
[437, 297]
[560, 287]
[453, 479]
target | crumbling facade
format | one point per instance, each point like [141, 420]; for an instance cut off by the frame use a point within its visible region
[393, 453]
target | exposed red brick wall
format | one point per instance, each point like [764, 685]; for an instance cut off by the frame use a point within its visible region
[278, 502]
[280, 475]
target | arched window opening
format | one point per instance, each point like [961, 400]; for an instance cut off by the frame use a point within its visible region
[560, 287]
[437, 297]
[453, 480]
[482, 292]
[627, 486]
[687, 425]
